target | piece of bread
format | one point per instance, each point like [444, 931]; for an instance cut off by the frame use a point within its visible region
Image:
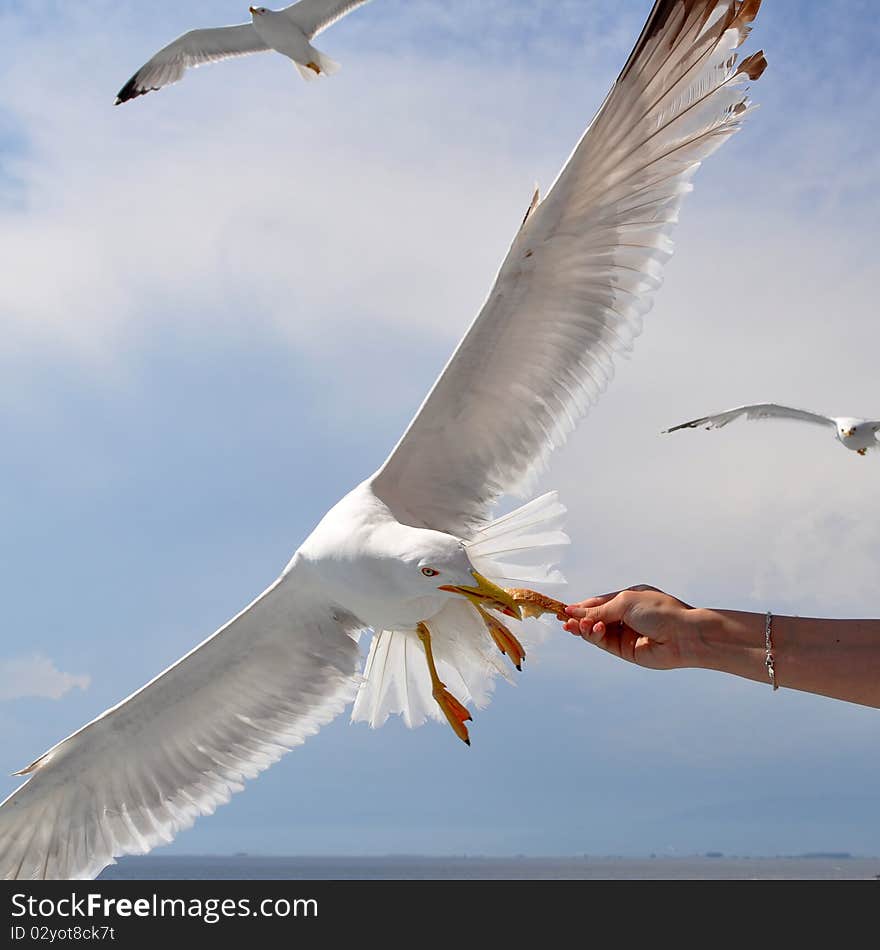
[534, 604]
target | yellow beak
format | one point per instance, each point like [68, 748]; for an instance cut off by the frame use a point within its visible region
[489, 595]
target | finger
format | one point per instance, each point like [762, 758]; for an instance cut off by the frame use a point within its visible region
[609, 638]
[594, 632]
[609, 612]
[579, 610]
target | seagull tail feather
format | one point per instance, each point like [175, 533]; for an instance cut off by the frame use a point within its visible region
[523, 545]
[328, 66]
[319, 65]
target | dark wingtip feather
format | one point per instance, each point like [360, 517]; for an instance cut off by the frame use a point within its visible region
[740, 15]
[754, 66]
[129, 91]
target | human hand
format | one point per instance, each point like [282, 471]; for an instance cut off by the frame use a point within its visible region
[641, 624]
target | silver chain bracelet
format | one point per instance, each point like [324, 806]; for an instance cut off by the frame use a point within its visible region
[769, 659]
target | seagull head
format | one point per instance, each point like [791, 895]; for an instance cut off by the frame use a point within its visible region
[257, 11]
[433, 563]
[847, 428]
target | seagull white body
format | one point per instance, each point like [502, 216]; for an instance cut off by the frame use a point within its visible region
[281, 32]
[857, 435]
[289, 31]
[415, 546]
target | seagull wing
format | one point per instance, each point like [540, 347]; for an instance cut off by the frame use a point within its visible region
[315, 16]
[179, 747]
[764, 410]
[192, 49]
[580, 274]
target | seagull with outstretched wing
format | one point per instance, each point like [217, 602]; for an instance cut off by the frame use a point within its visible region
[414, 553]
[289, 31]
[857, 435]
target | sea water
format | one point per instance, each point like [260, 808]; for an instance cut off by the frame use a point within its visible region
[402, 868]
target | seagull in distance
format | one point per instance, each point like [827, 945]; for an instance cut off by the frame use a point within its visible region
[416, 556]
[857, 435]
[289, 31]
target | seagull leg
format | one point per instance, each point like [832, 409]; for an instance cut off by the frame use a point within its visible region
[863, 452]
[456, 714]
[315, 68]
[506, 642]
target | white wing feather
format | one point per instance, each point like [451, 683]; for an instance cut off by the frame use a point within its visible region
[580, 273]
[766, 410]
[315, 16]
[179, 747]
[192, 49]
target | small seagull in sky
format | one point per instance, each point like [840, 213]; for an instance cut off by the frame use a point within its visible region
[289, 31]
[858, 435]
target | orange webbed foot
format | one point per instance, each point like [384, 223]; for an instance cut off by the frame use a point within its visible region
[457, 714]
[506, 642]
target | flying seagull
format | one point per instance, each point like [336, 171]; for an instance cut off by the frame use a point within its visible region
[289, 31]
[858, 435]
[413, 553]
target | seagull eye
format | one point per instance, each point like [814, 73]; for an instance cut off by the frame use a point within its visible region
[429, 572]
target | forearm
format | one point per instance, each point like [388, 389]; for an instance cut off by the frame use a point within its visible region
[836, 658]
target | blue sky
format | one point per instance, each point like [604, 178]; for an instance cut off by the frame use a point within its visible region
[222, 304]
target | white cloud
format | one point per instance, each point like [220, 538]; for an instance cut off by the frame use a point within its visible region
[37, 677]
[244, 200]
[758, 514]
